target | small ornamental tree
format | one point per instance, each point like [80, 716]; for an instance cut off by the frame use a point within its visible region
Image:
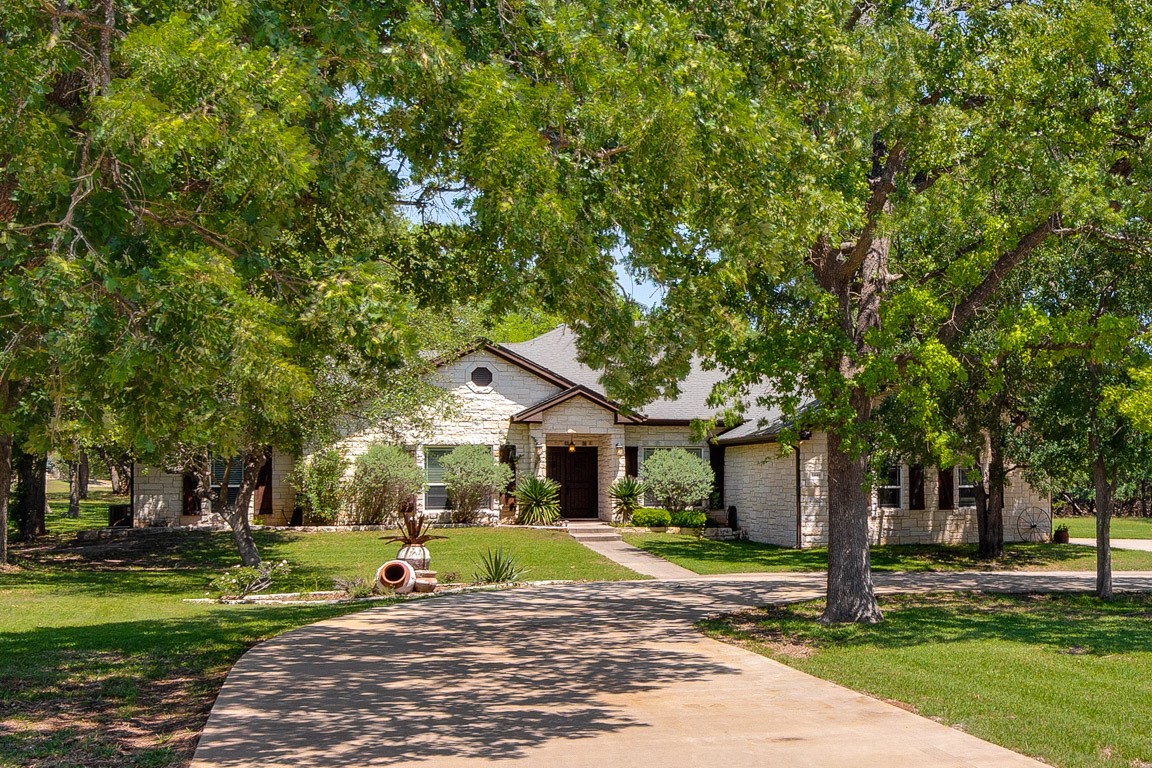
[320, 486]
[677, 478]
[386, 476]
[472, 475]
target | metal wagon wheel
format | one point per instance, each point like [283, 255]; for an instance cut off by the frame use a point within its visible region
[1032, 524]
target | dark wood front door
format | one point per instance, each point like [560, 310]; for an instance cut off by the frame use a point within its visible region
[577, 473]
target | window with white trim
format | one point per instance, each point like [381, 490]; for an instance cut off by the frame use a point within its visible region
[966, 489]
[435, 492]
[646, 453]
[888, 488]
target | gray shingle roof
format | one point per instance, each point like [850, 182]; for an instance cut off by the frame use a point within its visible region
[556, 351]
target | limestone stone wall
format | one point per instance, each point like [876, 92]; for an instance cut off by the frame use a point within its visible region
[482, 415]
[158, 497]
[761, 484]
[933, 525]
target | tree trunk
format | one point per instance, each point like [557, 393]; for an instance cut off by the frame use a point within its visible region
[5, 493]
[32, 500]
[1104, 484]
[236, 513]
[83, 474]
[73, 489]
[851, 595]
[990, 499]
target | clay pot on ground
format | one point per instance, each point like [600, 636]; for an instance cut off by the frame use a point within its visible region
[416, 556]
[397, 575]
[1060, 537]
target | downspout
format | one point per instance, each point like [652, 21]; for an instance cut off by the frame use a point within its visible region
[796, 451]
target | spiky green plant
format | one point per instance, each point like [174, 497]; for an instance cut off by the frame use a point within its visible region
[537, 501]
[627, 496]
[497, 567]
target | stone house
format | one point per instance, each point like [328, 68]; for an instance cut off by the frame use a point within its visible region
[543, 412]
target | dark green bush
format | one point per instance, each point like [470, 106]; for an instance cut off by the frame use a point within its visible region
[651, 518]
[689, 518]
[386, 476]
[319, 481]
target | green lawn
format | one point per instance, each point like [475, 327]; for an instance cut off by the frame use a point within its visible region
[1122, 527]
[101, 663]
[1065, 678]
[706, 556]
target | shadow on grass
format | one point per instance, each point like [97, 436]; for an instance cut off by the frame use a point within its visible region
[708, 556]
[125, 693]
[1072, 623]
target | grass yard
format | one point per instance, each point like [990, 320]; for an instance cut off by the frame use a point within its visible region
[705, 556]
[102, 664]
[1065, 678]
[1122, 527]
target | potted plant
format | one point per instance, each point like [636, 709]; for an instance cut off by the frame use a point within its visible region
[414, 534]
[1060, 535]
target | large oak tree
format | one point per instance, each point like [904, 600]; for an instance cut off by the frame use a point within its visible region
[829, 191]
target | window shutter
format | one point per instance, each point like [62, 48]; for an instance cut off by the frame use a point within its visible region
[263, 499]
[191, 502]
[945, 486]
[916, 487]
[632, 460]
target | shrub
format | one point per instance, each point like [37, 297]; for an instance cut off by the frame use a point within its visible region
[627, 496]
[471, 476]
[537, 501]
[355, 586]
[386, 476]
[319, 485]
[651, 518]
[689, 518]
[242, 580]
[677, 478]
[497, 567]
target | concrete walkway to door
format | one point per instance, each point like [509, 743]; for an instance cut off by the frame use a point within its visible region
[577, 675]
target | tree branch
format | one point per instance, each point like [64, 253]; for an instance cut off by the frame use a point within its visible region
[982, 293]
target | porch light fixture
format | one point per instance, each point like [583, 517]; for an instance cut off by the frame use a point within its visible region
[619, 450]
[571, 445]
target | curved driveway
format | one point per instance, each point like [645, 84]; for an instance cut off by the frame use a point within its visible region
[596, 675]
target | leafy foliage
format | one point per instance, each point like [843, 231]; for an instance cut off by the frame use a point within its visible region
[384, 479]
[689, 518]
[537, 501]
[497, 567]
[677, 478]
[647, 517]
[471, 476]
[319, 484]
[627, 496]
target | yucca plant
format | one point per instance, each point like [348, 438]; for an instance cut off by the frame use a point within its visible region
[627, 496]
[497, 567]
[413, 531]
[537, 501]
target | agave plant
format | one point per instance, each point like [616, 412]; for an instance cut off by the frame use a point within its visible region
[627, 496]
[537, 501]
[414, 531]
[497, 567]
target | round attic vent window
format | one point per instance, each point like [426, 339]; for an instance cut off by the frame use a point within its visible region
[481, 377]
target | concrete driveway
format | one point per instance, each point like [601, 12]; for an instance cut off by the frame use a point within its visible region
[1144, 545]
[573, 675]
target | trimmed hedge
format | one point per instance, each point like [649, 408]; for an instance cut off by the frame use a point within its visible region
[651, 518]
[690, 518]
